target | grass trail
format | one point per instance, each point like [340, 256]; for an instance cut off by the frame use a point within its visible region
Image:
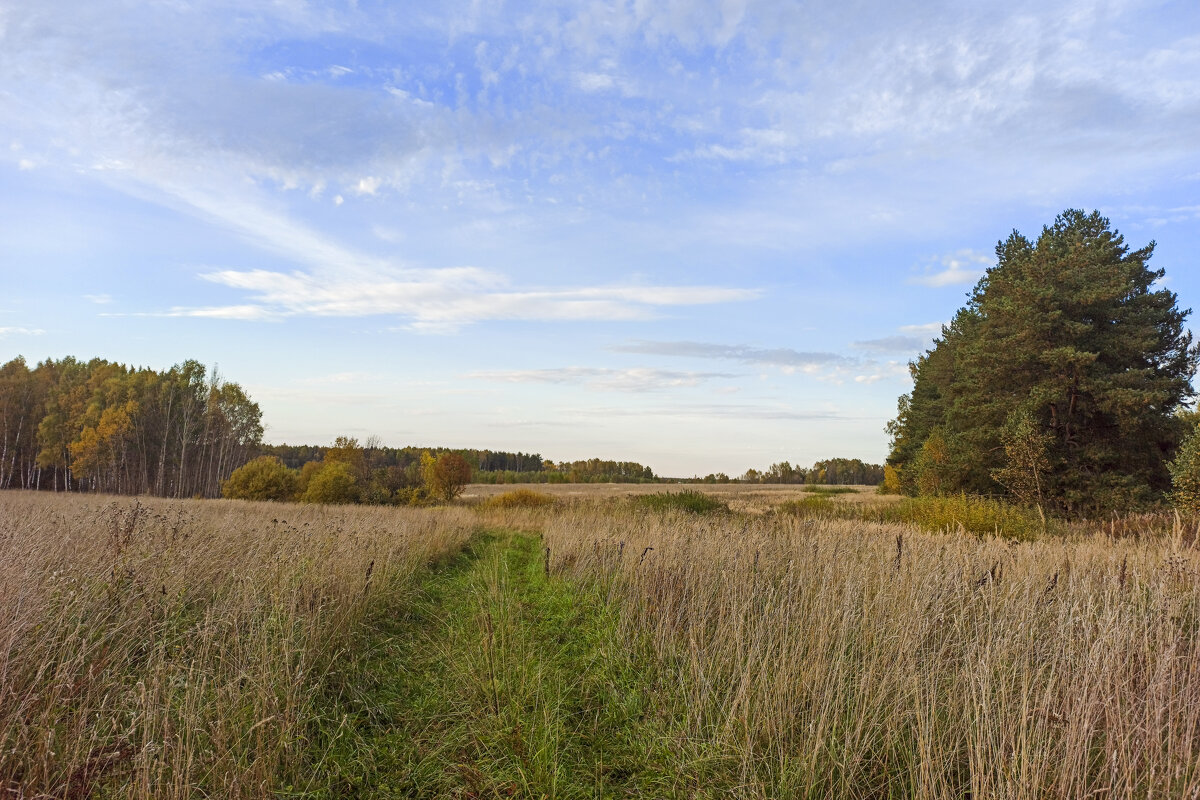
[495, 680]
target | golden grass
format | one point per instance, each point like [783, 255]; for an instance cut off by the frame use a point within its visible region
[754, 498]
[517, 498]
[842, 659]
[165, 649]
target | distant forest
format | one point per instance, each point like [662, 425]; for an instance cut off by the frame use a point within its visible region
[841, 471]
[489, 466]
[71, 425]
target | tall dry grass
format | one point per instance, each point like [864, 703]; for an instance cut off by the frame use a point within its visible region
[170, 649]
[842, 659]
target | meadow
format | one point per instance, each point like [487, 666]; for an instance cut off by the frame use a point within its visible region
[605, 644]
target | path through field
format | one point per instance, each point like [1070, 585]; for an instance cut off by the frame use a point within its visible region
[495, 680]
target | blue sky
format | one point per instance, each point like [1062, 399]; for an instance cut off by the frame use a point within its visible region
[701, 235]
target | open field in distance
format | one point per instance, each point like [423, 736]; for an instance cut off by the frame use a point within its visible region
[749, 497]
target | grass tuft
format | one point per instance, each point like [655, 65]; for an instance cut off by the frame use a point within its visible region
[819, 489]
[980, 516]
[518, 498]
[689, 500]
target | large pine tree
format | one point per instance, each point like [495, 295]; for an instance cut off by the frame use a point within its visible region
[1063, 373]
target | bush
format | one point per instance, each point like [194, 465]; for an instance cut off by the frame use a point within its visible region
[688, 500]
[816, 489]
[981, 516]
[332, 483]
[819, 505]
[518, 498]
[413, 496]
[1185, 474]
[264, 478]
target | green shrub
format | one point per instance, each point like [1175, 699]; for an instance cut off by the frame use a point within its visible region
[819, 505]
[413, 496]
[981, 516]
[518, 498]
[977, 515]
[333, 483]
[1185, 474]
[688, 500]
[264, 478]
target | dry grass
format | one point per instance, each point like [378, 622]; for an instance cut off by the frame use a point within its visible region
[170, 649]
[841, 659]
[754, 498]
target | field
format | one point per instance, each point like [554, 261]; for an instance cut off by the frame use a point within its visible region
[751, 498]
[594, 646]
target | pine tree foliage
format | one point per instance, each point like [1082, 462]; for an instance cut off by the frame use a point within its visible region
[1066, 367]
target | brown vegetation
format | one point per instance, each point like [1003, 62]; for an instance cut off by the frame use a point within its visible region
[842, 659]
[179, 648]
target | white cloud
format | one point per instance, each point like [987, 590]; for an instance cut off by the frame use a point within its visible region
[443, 300]
[881, 372]
[926, 329]
[242, 312]
[368, 185]
[20, 331]
[723, 411]
[960, 267]
[783, 357]
[637, 379]
[890, 344]
[99, 299]
[594, 81]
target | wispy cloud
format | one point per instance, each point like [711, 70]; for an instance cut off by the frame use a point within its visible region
[824, 366]
[624, 380]
[773, 357]
[724, 411]
[13, 330]
[957, 268]
[444, 300]
[925, 330]
[99, 299]
[891, 344]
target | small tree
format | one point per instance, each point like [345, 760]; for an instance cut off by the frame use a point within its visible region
[1026, 445]
[446, 475]
[348, 451]
[1185, 474]
[891, 480]
[934, 468]
[264, 478]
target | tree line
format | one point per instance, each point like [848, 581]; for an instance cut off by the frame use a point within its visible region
[487, 466]
[1064, 382]
[71, 425]
[838, 471]
[378, 455]
[101, 426]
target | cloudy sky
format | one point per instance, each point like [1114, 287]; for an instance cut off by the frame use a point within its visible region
[700, 235]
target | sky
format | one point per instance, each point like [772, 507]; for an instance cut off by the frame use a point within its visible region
[704, 236]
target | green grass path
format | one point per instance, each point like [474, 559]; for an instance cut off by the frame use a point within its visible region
[493, 680]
